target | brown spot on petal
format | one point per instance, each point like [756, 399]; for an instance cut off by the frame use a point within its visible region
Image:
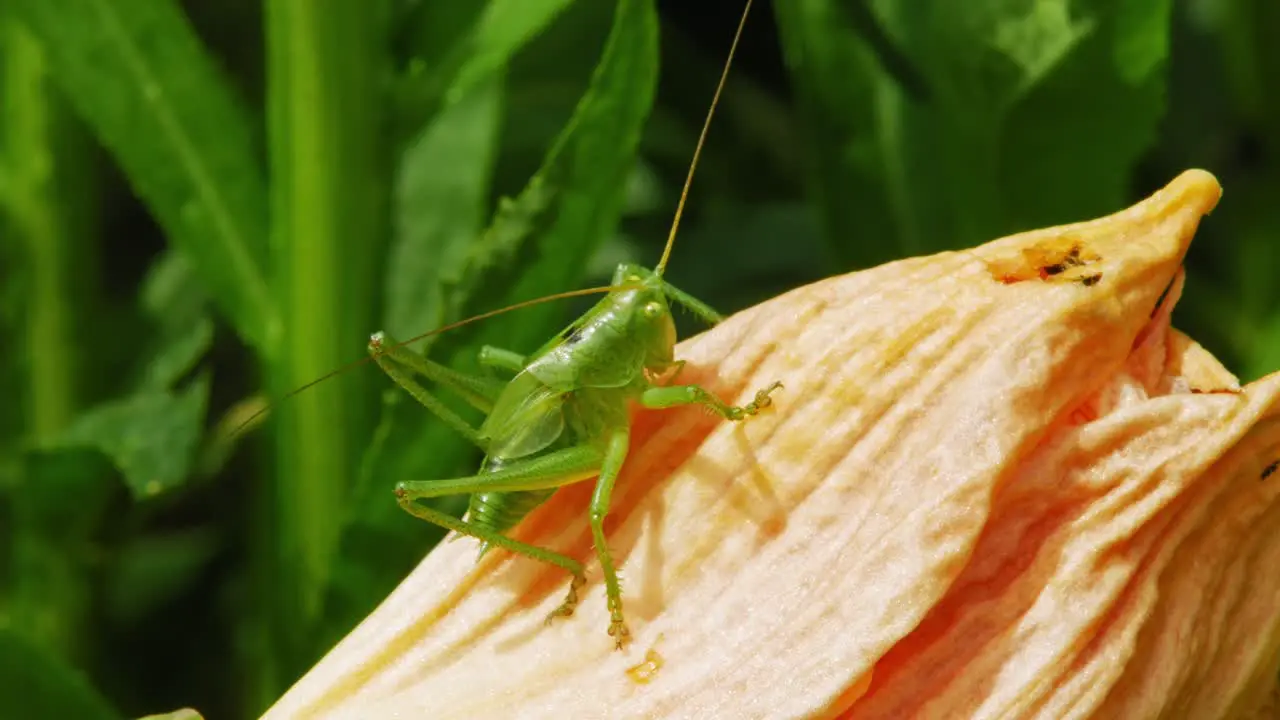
[1056, 259]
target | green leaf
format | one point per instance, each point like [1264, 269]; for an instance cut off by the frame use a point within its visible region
[1142, 38]
[63, 492]
[53, 509]
[505, 28]
[457, 50]
[1233, 308]
[178, 354]
[584, 175]
[35, 685]
[171, 292]
[441, 197]
[140, 78]
[835, 82]
[1072, 142]
[151, 437]
[173, 296]
[1034, 37]
[150, 571]
[47, 239]
[1030, 120]
[1247, 39]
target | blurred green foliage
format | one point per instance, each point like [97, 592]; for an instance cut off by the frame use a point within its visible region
[203, 206]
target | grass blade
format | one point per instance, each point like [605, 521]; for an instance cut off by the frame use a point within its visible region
[330, 168]
[584, 175]
[36, 685]
[139, 76]
[46, 208]
[468, 60]
[47, 265]
[442, 191]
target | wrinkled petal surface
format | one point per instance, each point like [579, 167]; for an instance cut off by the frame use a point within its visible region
[996, 484]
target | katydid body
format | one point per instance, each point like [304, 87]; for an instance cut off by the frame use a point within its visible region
[563, 418]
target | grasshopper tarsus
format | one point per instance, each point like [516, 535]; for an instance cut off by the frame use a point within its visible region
[666, 396]
[620, 634]
[762, 400]
[617, 626]
[570, 603]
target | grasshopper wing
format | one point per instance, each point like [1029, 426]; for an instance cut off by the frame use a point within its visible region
[528, 417]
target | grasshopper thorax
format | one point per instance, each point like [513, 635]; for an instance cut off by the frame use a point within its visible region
[627, 333]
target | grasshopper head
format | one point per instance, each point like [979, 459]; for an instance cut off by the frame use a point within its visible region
[650, 316]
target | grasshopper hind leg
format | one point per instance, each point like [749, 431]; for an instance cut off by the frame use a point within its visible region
[489, 538]
[553, 470]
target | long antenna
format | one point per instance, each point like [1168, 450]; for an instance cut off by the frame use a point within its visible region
[702, 139]
[442, 329]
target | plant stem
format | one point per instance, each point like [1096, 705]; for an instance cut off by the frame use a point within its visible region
[329, 191]
[48, 216]
[45, 205]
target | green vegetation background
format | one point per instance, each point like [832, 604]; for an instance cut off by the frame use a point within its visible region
[206, 204]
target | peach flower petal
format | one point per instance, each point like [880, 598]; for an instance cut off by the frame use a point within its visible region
[996, 484]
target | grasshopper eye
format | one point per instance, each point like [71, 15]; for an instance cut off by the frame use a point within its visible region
[633, 279]
[652, 310]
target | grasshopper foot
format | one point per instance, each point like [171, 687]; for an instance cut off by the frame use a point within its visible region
[620, 634]
[760, 402]
[570, 603]
[617, 626]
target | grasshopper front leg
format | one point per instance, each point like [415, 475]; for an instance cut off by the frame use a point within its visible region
[657, 398]
[496, 357]
[401, 364]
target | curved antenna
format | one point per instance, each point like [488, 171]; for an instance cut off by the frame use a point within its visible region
[702, 139]
[442, 329]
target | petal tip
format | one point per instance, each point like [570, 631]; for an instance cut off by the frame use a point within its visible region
[1195, 188]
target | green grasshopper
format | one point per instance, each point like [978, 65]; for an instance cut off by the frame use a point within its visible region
[563, 417]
